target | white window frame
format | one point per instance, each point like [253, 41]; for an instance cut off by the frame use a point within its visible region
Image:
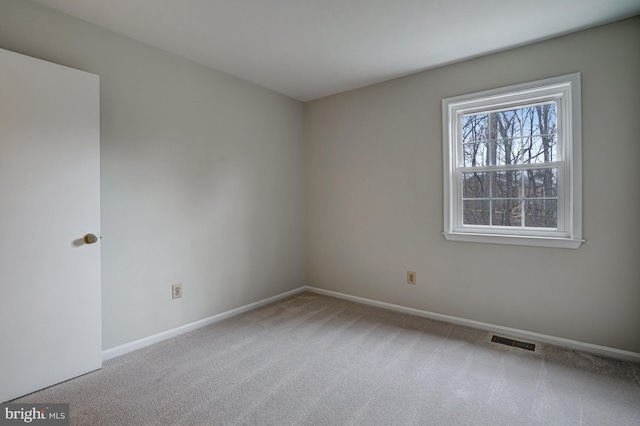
[565, 91]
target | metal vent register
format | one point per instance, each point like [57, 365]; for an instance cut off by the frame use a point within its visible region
[511, 342]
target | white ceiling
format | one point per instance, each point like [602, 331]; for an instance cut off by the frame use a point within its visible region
[308, 49]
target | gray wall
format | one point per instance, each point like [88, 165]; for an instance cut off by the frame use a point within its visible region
[374, 167]
[202, 176]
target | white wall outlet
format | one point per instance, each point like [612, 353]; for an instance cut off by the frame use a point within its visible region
[176, 291]
[411, 277]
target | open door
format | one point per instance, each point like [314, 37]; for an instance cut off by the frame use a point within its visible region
[50, 311]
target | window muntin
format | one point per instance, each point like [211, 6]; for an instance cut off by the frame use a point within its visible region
[512, 164]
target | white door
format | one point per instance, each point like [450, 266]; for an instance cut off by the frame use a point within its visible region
[50, 317]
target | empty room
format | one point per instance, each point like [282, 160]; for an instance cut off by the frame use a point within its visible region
[287, 212]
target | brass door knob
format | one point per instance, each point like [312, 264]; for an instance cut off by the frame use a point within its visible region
[90, 239]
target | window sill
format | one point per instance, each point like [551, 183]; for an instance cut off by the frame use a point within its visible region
[518, 240]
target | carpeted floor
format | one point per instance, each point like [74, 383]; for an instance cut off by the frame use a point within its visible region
[316, 360]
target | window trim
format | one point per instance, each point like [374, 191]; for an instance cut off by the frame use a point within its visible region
[565, 90]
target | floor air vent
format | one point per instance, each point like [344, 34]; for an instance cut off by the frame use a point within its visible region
[516, 343]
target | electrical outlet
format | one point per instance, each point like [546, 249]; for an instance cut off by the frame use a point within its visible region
[176, 291]
[411, 277]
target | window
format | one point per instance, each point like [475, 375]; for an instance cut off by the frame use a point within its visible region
[512, 165]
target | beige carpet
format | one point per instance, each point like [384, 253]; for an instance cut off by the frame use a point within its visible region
[316, 360]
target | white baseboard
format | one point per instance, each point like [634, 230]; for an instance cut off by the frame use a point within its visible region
[512, 332]
[168, 334]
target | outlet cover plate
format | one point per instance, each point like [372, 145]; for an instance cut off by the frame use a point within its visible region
[176, 291]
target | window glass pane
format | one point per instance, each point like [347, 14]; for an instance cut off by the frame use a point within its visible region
[539, 120]
[475, 185]
[506, 212]
[505, 124]
[475, 154]
[529, 123]
[476, 212]
[539, 149]
[541, 183]
[475, 127]
[506, 184]
[541, 213]
[508, 151]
